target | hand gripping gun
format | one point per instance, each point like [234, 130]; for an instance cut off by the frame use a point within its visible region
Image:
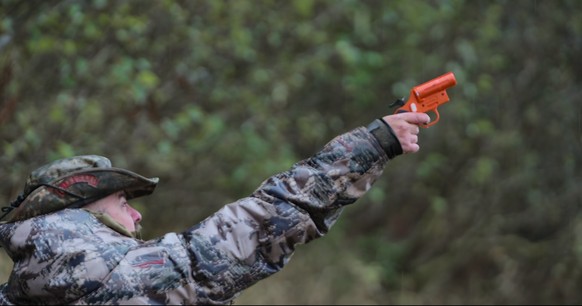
[428, 96]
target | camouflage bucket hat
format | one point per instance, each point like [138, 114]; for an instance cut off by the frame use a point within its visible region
[74, 182]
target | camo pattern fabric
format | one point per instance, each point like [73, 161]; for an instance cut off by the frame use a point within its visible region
[69, 257]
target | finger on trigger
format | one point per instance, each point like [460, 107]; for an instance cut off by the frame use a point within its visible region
[423, 118]
[416, 118]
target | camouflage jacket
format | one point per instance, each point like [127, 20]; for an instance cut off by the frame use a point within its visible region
[70, 257]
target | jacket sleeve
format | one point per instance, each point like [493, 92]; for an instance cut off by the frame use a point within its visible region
[254, 237]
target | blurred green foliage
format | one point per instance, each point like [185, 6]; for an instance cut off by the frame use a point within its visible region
[215, 96]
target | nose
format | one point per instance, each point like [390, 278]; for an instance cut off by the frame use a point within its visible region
[135, 215]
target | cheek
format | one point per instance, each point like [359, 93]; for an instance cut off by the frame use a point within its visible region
[123, 217]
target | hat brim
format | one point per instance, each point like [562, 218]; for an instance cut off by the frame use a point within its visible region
[83, 187]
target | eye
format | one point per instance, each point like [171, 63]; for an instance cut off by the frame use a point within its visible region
[124, 202]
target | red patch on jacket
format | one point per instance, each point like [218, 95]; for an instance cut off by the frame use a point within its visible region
[146, 264]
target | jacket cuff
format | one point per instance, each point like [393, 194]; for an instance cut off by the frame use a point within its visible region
[386, 137]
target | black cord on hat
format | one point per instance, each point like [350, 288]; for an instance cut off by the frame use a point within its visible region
[21, 197]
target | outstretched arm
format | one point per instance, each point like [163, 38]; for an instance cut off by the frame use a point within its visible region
[255, 237]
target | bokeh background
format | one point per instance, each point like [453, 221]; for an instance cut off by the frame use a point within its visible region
[215, 96]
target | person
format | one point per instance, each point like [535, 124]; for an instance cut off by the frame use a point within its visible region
[72, 234]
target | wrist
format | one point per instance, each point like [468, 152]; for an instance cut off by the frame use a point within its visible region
[386, 137]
